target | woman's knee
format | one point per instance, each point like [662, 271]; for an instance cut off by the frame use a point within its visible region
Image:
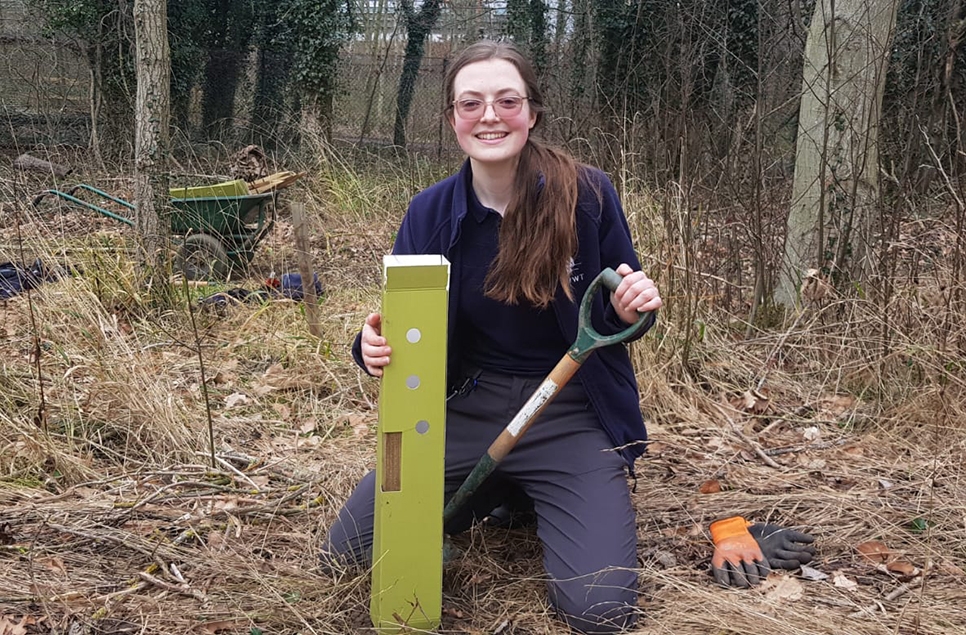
[605, 602]
[349, 540]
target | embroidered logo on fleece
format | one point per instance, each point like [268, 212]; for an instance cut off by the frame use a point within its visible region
[573, 269]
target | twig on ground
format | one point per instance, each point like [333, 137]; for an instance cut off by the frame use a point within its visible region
[824, 445]
[895, 594]
[273, 507]
[174, 588]
[237, 472]
[758, 450]
[161, 490]
[121, 538]
[748, 441]
[176, 572]
[766, 366]
[117, 595]
[362, 392]
[241, 457]
[801, 410]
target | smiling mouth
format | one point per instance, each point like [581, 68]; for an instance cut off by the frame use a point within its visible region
[491, 136]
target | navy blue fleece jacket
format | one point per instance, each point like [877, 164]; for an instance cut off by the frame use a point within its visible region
[432, 226]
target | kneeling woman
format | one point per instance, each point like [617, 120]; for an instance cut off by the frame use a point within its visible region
[526, 229]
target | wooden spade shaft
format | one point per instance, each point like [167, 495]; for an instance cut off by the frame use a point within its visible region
[501, 446]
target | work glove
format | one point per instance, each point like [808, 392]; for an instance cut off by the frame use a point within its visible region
[737, 560]
[784, 548]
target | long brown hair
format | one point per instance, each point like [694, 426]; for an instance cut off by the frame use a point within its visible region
[538, 236]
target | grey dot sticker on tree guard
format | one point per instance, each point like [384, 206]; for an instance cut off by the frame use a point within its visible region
[422, 427]
[412, 382]
[413, 335]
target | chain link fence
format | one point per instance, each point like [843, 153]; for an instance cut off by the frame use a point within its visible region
[44, 85]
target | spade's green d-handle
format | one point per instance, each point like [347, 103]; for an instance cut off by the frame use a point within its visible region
[588, 340]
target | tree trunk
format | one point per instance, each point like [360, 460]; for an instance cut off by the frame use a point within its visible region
[152, 111]
[230, 33]
[836, 158]
[579, 55]
[109, 56]
[610, 26]
[315, 127]
[418, 26]
[221, 81]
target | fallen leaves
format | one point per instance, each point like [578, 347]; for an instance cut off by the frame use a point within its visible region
[711, 486]
[10, 626]
[284, 412]
[55, 564]
[260, 480]
[812, 574]
[951, 569]
[359, 424]
[874, 551]
[782, 588]
[814, 287]
[665, 558]
[279, 378]
[838, 405]
[887, 561]
[308, 427]
[226, 373]
[752, 401]
[905, 570]
[840, 580]
[236, 399]
[811, 433]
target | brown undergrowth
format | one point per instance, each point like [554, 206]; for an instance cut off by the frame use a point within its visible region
[115, 518]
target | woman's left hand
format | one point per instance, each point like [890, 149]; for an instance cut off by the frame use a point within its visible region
[634, 295]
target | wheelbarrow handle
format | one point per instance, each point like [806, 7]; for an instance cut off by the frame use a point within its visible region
[588, 340]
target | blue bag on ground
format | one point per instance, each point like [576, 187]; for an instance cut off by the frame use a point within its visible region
[15, 279]
[291, 286]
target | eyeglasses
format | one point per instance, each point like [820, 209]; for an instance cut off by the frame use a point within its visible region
[507, 106]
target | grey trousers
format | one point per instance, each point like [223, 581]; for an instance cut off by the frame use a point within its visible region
[565, 464]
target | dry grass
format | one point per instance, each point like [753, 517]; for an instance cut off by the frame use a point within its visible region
[109, 500]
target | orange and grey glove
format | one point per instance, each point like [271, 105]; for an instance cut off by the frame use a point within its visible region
[738, 559]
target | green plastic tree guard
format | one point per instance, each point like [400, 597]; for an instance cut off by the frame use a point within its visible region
[407, 570]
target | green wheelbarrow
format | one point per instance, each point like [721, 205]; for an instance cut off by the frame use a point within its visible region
[217, 226]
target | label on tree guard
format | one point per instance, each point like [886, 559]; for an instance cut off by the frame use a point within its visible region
[534, 403]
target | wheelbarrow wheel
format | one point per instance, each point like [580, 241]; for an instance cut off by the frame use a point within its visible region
[203, 257]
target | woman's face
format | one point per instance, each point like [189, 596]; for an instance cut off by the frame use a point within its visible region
[494, 135]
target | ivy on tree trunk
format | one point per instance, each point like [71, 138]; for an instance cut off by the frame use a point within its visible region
[318, 29]
[418, 27]
[231, 32]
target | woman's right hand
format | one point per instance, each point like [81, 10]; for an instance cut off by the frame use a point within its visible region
[375, 352]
